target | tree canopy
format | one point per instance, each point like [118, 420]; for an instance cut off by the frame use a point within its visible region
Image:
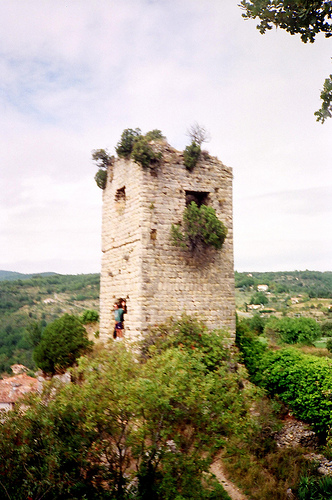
[306, 18]
[62, 342]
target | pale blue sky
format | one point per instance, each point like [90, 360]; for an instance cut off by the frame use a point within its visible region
[75, 74]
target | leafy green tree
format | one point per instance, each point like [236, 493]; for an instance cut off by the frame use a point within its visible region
[304, 17]
[201, 228]
[62, 342]
[125, 146]
[191, 155]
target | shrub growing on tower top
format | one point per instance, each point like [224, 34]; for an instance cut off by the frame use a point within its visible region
[125, 145]
[136, 146]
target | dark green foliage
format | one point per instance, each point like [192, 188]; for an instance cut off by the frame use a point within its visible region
[103, 160]
[301, 381]
[259, 298]
[154, 135]
[243, 281]
[313, 488]
[326, 96]
[329, 345]
[125, 146]
[143, 153]
[136, 146]
[101, 178]
[293, 330]
[201, 228]
[89, 316]
[34, 333]
[326, 328]
[191, 155]
[252, 349]
[306, 18]
[257, 324]
[62, 342]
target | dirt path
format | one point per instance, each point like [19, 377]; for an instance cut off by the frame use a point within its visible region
[233, 491]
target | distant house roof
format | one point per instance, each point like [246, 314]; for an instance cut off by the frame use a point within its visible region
[13, 388]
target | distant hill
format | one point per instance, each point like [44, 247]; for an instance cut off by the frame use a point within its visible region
[27, 300]
[314, 283]
[13, 276]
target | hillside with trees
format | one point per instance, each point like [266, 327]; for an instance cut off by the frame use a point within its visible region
[28, 304]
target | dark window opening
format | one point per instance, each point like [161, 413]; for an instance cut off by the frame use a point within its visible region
[199, 197]
[120, 194]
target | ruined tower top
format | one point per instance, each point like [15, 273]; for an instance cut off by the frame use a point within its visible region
[140, 262]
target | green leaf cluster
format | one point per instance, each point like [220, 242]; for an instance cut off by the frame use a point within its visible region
[304, 17]
[136, 146]
[201, 228]
[63, 341]
[103, 160]
[191, 155]
[293, 330]
[326, 96]
[89, 316]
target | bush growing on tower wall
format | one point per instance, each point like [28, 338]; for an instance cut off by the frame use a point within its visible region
[201, 228]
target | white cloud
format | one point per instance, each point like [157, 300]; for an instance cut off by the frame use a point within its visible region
[75, 74]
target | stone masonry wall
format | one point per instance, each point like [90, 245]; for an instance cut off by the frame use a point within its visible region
[140, 263]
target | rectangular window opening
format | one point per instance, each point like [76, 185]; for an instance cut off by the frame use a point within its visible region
[199, 197]
[120, 194]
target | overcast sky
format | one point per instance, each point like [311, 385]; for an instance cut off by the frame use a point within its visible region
[75, 74]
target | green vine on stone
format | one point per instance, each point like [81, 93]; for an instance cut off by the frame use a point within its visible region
[200, 229]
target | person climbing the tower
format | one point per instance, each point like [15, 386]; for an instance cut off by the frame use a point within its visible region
[118, 318]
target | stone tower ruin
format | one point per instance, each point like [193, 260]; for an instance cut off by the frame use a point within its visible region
[139, 262]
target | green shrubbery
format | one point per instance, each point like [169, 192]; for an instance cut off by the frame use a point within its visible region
[300, 380]
[130, 428]
[62, 342]
[191, 155]
[303, 382]
[201, 228]
[293, 330]
[89, 316]
[136, 146]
